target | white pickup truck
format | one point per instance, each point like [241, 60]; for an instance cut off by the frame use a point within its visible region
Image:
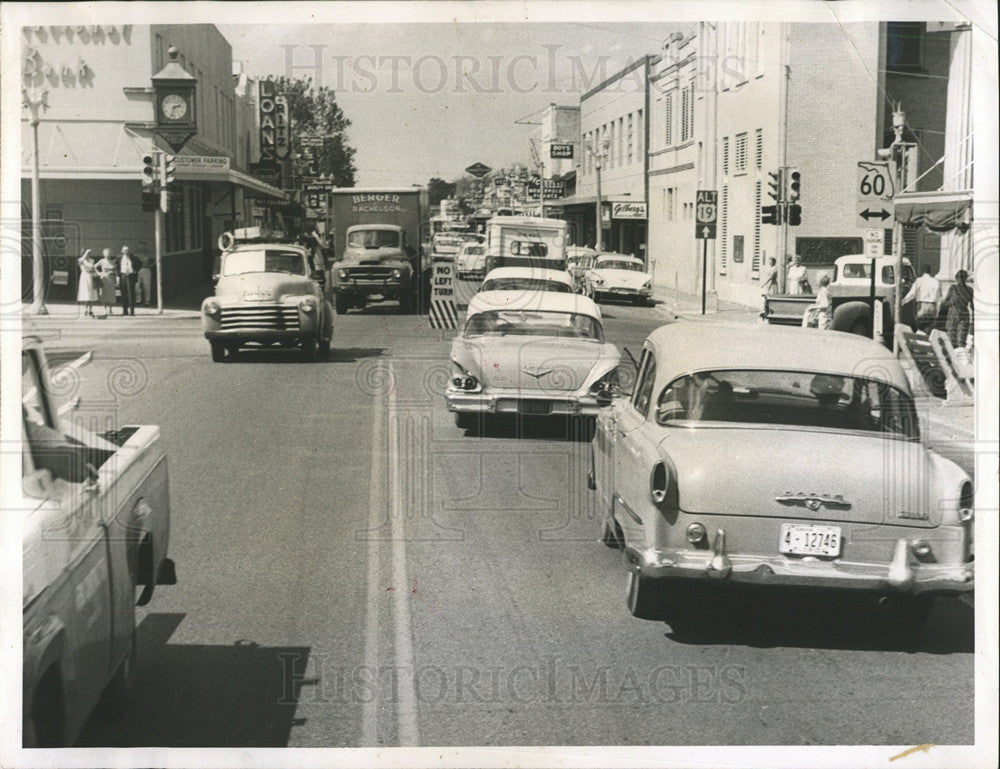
[96, 519]
[850, 292]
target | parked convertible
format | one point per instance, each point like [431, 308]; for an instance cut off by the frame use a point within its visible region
[760, 455]
[540, 354]
[617, 276]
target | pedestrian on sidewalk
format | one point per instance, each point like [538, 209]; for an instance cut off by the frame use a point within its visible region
[818, 314]
[798, 281]
[126, 281]
[927, 291]
[771, 284]
[959, 306]
[87, 291]
[107, 272]
[144, 295]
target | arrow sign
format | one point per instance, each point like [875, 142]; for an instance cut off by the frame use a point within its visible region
[479, 170]
[705, 232]
[881, 214]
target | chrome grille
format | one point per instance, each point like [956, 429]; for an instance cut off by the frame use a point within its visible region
[272, 317]
[369, 273]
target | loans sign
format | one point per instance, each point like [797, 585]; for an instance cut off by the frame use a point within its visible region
[275, 134]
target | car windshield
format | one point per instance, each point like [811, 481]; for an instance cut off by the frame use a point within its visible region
[525, 284]
[618, 264]
[264, 260]
[792, 398]
[475, 250]
[528, 248]
[450, 242]
[534, 323]
[373, 239]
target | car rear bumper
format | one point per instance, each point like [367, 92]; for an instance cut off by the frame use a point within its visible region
[528, 404]
[270, 336]
[368, 286]
[903, 575]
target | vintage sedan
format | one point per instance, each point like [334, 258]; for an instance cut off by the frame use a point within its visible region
[771, 457]
[470, 263]
[95, 515]
[539, 354]
[617, 276]
[268, 293]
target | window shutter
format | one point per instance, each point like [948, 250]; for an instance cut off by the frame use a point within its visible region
[668, 133]
[723, 252]
[725, 156]
[755, 260]
[759, 158]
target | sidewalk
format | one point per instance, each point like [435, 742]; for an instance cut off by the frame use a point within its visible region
[186, 305]
[681, 304]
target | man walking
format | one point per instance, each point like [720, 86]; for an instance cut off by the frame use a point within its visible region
[927, 291]
[771, 284]
[126, 280]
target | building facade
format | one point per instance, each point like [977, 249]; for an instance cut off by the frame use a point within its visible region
[99, 124]
[613, 135]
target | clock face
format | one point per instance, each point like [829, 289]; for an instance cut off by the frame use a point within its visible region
[174, 106]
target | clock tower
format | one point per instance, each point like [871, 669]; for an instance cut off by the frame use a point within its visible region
[174, 99]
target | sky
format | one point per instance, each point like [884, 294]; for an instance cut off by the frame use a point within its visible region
[430, 99]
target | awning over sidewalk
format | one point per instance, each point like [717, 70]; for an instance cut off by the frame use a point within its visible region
[937, 211]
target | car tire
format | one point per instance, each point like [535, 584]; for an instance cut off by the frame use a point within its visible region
[309, 350]
[465, 421]
[612, 535]
[323, 348]
[342, 303]
[406, 303]
[232, 350]
[218, 352]
[644, 596]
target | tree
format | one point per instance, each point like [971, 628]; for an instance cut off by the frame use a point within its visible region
[438, 190]
[315, 112]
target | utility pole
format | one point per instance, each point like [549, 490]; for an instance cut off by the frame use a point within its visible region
[36, 100]
[898, 153]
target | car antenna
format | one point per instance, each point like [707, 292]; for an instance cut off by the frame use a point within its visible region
[632, 358]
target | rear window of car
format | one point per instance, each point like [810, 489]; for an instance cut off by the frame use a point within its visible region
[534, 323]
[525, 284]
[788, 398]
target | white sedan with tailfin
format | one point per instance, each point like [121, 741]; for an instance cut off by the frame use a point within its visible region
[531, 353]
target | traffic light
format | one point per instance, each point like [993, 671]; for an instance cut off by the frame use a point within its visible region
[770, 215]
[149, 170]
[774, 186]
[793, 181]
[168, 170]
[794, 215]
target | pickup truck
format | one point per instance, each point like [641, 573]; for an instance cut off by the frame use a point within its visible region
[96, 523]
[850, 293]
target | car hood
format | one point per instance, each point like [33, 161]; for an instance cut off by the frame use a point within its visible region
[743, 471]
[262, 287]
[535, 363]
[622, 278]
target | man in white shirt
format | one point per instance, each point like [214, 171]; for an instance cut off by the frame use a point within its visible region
[927, 291]
[797, 281]
[127, 276]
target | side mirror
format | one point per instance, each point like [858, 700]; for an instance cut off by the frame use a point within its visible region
[603, 398]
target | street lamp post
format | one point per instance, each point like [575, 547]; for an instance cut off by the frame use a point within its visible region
[598, 157]
[35, 100]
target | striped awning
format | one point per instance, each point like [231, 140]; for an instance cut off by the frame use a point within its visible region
[937, 211]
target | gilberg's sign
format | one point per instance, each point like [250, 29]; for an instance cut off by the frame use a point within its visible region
[375, 203]
[628, 210]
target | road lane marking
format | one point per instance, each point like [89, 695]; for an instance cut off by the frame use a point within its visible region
[407, 734]
[376, 509]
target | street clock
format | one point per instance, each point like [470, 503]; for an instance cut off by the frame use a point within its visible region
[174, 94]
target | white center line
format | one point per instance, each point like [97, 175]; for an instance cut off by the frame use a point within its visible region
[376, 509]
[406, 710]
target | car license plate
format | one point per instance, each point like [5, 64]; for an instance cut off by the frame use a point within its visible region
[535, 407]
[807, 539]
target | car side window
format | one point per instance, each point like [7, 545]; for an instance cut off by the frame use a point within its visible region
[644, 384]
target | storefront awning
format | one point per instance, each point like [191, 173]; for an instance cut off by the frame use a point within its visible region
[937, 211]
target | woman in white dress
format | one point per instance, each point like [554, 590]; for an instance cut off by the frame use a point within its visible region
[87, 292]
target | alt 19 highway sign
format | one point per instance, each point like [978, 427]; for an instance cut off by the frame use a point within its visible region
[706, 214]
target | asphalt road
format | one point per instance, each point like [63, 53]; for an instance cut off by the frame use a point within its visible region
[334, 532]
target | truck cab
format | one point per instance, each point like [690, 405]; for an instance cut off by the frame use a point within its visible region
[95, 511]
